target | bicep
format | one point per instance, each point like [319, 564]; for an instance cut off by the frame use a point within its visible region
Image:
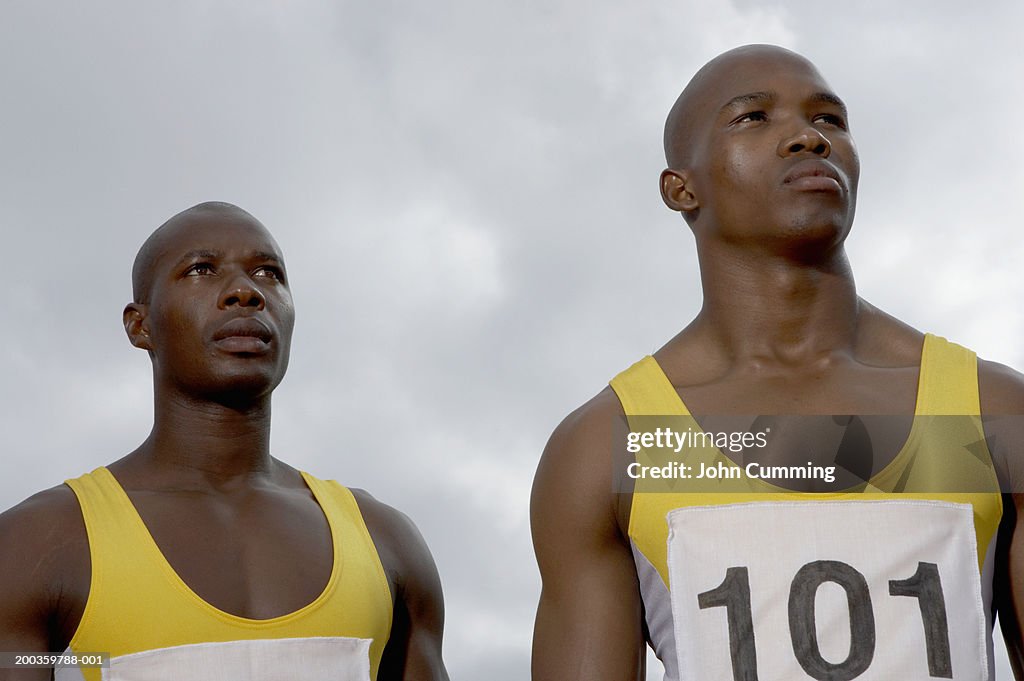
[21, 631]
[414, 647]
[1002, 406]
[589, 619]
[1010, 595]
[23, 602]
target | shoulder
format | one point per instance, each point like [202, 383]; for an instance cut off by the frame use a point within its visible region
[589, 618]
[386, 521]
[44, 567]
[414, 645]
[403, 552]
[579, 456]
[46, 522]
[573, 497]
[1001, 392]
[587, 431]
[1001, 389]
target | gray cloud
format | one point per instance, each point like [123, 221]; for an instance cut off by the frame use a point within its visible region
[466, 196]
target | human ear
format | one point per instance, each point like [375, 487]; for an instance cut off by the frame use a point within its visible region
[134, 318]
[677, 191]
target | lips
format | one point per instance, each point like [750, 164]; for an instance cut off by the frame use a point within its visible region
[244, 327]
[814, 174]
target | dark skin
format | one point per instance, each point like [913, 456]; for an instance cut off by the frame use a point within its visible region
[213, 309]
[764, 170]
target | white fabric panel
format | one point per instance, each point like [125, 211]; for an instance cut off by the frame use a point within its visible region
[310, 659]
[820, 583]
[987, 582]
[68, 673]
[657, 612]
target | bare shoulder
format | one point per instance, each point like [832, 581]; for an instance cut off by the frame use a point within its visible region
[1001, 389]
[589, 619]
[417, 627]
[44, 567]
[573, 488]
[46, 522]
[586, 433]
[403, 551]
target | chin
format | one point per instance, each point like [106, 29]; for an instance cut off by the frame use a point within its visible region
[824, 230]
[243, 386]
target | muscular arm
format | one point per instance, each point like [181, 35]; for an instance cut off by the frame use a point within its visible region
[589, 621]
[413, 651]
[39, 538]
[1002, 407]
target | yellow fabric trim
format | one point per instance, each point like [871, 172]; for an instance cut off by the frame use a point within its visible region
[947, 385]
[644, 390]
[137, 602]
[949, 379]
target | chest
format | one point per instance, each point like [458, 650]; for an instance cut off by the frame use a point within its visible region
[849, 388]
[259, 556]
[855, 416]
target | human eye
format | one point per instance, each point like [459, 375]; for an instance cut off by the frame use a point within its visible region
[831, 119]
[751, 116]
[269, 272]
[199, 269]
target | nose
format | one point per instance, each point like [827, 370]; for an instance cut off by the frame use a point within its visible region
[242, 291]
[808, 139]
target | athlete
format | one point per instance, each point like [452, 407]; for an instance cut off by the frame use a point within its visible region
[199, 555]
[764, 536]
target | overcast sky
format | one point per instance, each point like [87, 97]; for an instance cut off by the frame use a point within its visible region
[466, 196]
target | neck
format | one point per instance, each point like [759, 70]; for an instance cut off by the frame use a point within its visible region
[775, 309]
[209, 442]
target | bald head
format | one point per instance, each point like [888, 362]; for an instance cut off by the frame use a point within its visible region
[145, 259]
[695, 108]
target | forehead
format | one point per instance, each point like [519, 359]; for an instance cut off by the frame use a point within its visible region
[781, 73]
[227, 234]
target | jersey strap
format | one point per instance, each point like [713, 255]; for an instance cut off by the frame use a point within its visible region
[644, 390]
[949, 379]
[138, 604]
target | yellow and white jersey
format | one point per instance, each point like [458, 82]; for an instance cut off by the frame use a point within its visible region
[742, 579]
[155, 628]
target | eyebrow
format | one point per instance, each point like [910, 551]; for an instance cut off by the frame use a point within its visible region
[749, 98]
[829, 98]
[264, 255]
[202, 254]
[769, 97]
[197, 255]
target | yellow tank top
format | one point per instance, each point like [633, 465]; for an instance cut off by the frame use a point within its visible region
[686, 531]
[145, 616]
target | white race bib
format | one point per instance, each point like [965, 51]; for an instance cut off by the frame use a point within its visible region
[310, 659]
[828, 590]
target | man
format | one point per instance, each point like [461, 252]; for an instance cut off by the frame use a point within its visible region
[728, 560]
[199, 555]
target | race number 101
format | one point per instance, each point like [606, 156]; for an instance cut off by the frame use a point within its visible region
[734, 595]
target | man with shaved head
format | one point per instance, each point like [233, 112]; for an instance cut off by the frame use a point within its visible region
[199, 555]
[797, 485]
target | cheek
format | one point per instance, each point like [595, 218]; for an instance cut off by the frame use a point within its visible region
[734, 167]
[854, 170]
[844, 156]
[177, 328]
[284, 312]
[184, 321]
